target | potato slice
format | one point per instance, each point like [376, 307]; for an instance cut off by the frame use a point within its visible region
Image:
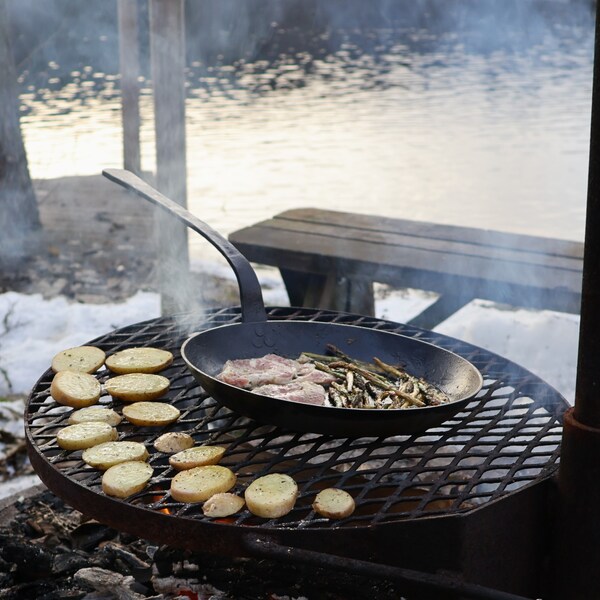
[173, 441]
[135, 387]
[139, 360]
[75, 389]
[199, 456]
[126, 478]
[200, 483]
[334, 503]
[83, 359]
[271, 496]
[85, 435]
[223, 504]
[104, 456]
[151, 414]
[95, 413]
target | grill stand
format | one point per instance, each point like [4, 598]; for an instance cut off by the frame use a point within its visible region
[491, 534]
[577, 541]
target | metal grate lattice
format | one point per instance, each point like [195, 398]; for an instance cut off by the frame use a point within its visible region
[508, 437]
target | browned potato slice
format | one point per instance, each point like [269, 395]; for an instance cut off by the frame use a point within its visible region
[84, 359]
[173, 441]
[199, 456]
[139, 360]
[135, 387]
[223, 504]
[85, 435]
[200, 483]
[151, 414]
[104, 456]
[126, 478]
[75, 389]
[334, 503]
[95, 413]
[271, 496]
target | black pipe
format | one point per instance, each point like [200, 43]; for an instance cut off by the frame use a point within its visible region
[587, 391]
[575, 555]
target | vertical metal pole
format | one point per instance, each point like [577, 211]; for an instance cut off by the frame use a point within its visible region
[168, 64]
[576, 550]
[129, 58]
[587, 398]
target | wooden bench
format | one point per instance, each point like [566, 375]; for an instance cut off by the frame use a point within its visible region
[330, 259]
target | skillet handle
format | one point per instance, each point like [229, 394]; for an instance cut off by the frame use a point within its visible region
[253, 306]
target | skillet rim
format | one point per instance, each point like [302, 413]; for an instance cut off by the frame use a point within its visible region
[358, 411]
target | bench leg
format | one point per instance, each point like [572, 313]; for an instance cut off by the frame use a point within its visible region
[445, 306]
[332, 292]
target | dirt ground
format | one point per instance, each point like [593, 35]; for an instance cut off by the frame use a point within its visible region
[97, 244]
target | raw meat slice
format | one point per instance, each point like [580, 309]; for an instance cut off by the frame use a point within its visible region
[304, 391]
[248, 373]
[308, 372]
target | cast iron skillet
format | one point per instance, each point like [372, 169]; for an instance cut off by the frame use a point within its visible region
[206, 352]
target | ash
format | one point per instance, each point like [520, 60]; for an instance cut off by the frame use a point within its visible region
[50, 552]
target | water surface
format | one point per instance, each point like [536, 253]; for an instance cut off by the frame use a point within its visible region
[451, 125]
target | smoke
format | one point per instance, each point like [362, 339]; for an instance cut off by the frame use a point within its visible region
[246, 50]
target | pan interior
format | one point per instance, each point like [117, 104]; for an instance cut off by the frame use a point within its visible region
[208, 351]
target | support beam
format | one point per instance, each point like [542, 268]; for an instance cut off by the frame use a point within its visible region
[576, 549]
[168, 64]
[129, 58]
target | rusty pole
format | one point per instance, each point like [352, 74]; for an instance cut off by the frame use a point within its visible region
[576, 550]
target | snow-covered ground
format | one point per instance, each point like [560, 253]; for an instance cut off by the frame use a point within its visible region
[32, 330]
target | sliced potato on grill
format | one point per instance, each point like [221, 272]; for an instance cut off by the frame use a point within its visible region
[126, 478]
[199, 456]
[95, 413]
[151, 414]
[85, 435]
[223, 504]
[200, 483]
[139, 360]
[173, 441]
[75, 389]
[135, 387]
[334, 503]
[103, 456]
[271, 496]
[84, 359]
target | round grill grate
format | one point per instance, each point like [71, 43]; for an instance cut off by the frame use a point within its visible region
[507, 438]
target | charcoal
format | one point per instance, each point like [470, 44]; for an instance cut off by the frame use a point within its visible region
[132, 565]
[88, 535]
[69, 563]
[41, 590]
[130, 568]
[107, 582]
[30, 561]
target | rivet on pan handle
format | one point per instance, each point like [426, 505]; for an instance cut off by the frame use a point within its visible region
[253, 306]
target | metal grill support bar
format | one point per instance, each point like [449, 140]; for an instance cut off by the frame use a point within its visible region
[576, 552]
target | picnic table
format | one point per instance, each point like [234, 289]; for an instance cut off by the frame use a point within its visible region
[330, 259]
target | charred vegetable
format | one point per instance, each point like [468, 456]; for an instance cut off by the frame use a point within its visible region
[378, 385]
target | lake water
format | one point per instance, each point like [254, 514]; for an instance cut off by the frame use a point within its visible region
[487, 127]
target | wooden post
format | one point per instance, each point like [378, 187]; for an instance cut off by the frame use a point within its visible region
[19, 217]
[129, 58]
[168, 64]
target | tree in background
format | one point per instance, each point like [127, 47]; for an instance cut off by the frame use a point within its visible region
[19, 216]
